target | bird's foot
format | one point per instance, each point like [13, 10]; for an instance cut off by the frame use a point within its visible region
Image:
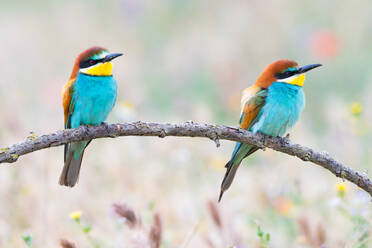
[262, 146]
[108, 130]
[286, 139]
[105, 124]
[85, 129]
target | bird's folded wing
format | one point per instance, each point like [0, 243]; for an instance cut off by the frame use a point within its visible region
[68, 107]
[253, 100]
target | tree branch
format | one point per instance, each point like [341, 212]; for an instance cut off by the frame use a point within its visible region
[188, 129]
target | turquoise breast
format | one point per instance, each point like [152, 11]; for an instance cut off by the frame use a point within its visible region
[283, 106]
[93, 98]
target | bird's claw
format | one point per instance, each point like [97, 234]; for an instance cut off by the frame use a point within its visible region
[285, 139]
[107, 128]
[262, 146]
[85, 129]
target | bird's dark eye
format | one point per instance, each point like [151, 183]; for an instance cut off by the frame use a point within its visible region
[88, 63]
[285, 74]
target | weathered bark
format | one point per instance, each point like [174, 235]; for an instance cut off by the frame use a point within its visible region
[189, 129]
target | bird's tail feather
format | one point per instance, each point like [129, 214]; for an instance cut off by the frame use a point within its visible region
[233, 165]
[229, 177]
[71, 168]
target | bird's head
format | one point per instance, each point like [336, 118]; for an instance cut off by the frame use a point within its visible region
[285, 71]
[95, 61]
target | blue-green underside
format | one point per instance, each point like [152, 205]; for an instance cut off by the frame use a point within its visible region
[283, 106]
[91, 102]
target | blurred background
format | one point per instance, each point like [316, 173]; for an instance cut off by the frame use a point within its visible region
[186, 60]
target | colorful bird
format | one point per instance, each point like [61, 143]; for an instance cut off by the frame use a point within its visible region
[271, 106]
[88, 98]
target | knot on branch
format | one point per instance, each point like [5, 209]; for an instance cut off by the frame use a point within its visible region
[214, 136]
[162, 133]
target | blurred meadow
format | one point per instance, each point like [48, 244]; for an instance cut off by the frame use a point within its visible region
[186, 60]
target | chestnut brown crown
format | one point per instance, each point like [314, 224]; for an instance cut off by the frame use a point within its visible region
[267, 77]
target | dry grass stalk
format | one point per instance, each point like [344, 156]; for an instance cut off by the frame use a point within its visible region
[208, 242]
[321, 235]
[64, 243]
[155, 232]
[127, 213]
[305, 229]
[316, 240]
[215, 213]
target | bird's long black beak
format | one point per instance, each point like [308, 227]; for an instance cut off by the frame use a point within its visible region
[111, 56]
[306, 68]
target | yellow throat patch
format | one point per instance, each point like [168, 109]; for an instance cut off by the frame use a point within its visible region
[295, 80]
[100, 69]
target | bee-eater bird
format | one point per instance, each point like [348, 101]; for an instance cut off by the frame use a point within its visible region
[88, 97]
[271, 106]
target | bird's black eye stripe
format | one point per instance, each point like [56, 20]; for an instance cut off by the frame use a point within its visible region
[285, 74]
[89, 62]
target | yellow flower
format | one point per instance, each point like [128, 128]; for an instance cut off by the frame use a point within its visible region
[75, 215]
[341, 189]
[356, 108]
